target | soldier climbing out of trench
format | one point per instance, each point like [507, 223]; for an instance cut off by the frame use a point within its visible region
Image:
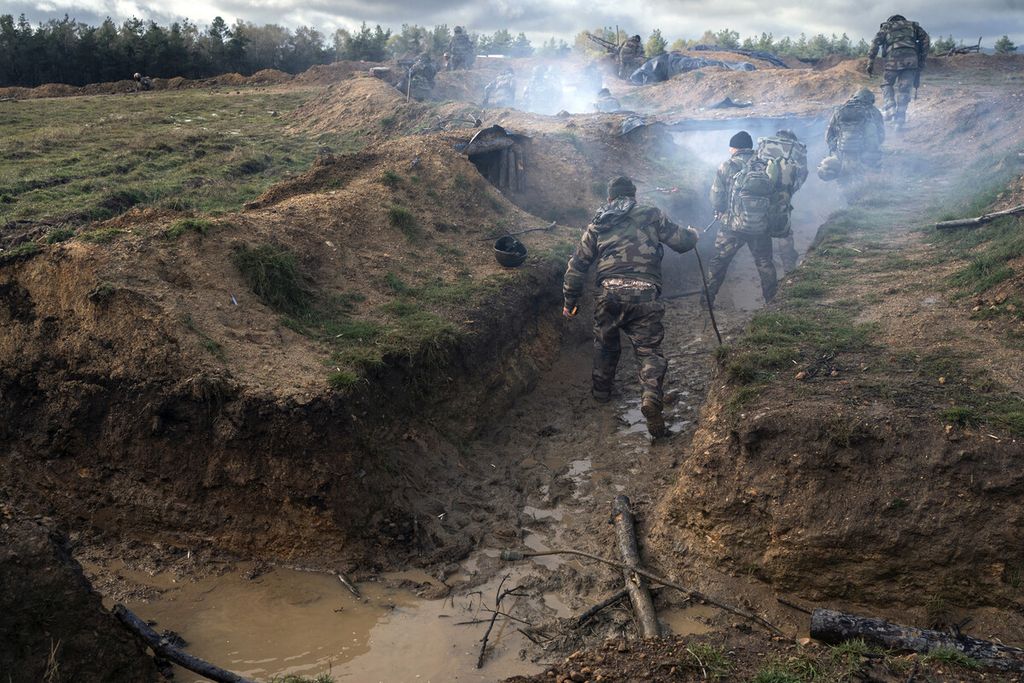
[626, 241]
[741, 197]
[904, 46]
[854, 137]
[501, 92]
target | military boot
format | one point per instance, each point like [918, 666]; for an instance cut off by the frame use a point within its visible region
[651, 411]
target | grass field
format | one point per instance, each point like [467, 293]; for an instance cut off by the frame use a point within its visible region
[80, 159]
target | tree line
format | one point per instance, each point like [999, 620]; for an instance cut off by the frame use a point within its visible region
[68, 51]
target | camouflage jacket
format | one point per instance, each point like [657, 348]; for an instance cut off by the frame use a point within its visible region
[855, 127]
[903, 44]
[460, 44]
[721, 188]
[625, 238]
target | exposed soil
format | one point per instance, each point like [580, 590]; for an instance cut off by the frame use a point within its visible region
[158, 407]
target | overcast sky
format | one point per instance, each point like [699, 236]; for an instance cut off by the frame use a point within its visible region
[540, 19]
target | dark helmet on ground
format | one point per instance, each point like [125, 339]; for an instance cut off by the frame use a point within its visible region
[509, 251]
[786, 134]
[621, 187]
[864, 95]
[741, 140]
[897, 17]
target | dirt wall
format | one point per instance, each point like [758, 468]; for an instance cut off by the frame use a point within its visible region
[52, 625]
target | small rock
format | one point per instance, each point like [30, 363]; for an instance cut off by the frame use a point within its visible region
[804, 641]
[834, 373]
[801, 375]
[576, 677]
[622, 647]
[942, 380]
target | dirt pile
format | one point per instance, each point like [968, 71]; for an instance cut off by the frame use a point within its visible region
[52, 625]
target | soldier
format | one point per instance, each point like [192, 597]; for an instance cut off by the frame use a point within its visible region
[904, 46]
[605, 102]
[501, 92]
[631, 57]
[142, 82]
[854, 138]
[543, 94]
[460, 50]
[740, 196]
[419, 82]
[625, 239]
[787, 168]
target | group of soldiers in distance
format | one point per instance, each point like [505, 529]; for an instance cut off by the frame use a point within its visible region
[752, 200]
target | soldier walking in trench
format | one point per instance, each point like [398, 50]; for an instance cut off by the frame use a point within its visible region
[625, 240]
[741, 197]
[904, 46]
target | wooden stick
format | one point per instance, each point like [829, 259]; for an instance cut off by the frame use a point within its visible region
[347, 583]
[164, 649]
[639, 595]
[834, 627]
[980, 220]
[515, 555]
[604, 604]
[494, 616]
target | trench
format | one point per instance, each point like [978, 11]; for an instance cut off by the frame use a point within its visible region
[555, 460]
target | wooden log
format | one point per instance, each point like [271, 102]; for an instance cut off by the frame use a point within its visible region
[502, 169]
[167, 651]
[636, 584]
[510, 160]
[979, 220]
[834, 627]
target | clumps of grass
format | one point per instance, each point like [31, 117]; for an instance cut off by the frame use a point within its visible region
[947, 655]
[22, 251]
[101, 235]
[405, 222]
[272, 274]
[792, 670]
[342, 379]
[711, 661]
[390, 178]
[200, 226]
[59, 235]
[247, 167]
[396, 284]
[319, 678]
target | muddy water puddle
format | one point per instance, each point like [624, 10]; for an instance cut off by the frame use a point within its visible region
[288, 622]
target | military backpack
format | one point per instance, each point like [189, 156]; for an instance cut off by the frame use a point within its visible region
[900, 34]
[750, 197]
[787, 170]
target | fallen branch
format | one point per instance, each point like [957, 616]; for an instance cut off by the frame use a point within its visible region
[834, 627]
[980, 220]
[639, 596]
[604, 604]
[494, 617]
[515, 555]
[164, 649]
[347, 583]
[792, 605]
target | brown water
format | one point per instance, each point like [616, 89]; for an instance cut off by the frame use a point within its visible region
[304, 623]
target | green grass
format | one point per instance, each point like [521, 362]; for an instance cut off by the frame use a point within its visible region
[319, 678]
[81, 159]
[272, 274]
[710, 660]
[799, 669]
[200, 226]
[405, 222]
[22, 251]
[59, 235]
[390, 178]
[947, 655]
[101, 235]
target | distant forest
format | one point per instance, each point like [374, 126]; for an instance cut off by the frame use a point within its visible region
[68, 51]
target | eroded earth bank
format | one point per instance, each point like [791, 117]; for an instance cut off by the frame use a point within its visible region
[215, 413]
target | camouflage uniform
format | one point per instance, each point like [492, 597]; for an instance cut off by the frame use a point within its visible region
[501, 92]
[904, 46]
[605, 102]
[855, 135]
[142, 82]
[788, 172]
[729, 241]
[625, 239]
[631, 57]
[419, 82]
[460, 50]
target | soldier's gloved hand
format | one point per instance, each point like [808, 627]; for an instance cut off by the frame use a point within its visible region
[569, 311]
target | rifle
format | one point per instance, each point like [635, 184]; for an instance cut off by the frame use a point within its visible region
[609, 47]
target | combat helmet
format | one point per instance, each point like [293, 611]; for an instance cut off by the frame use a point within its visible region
[459, 29]
[136, 76]
[509, 252]
[864, 95]
[897, 17]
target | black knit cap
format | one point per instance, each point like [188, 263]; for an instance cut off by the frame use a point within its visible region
[621, 187]
[741, 140]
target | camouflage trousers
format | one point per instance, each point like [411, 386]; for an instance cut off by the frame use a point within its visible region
[787, 252]
[727, 243]
[639, 317]
[896, 87]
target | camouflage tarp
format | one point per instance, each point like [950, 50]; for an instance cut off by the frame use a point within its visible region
[664, 67]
